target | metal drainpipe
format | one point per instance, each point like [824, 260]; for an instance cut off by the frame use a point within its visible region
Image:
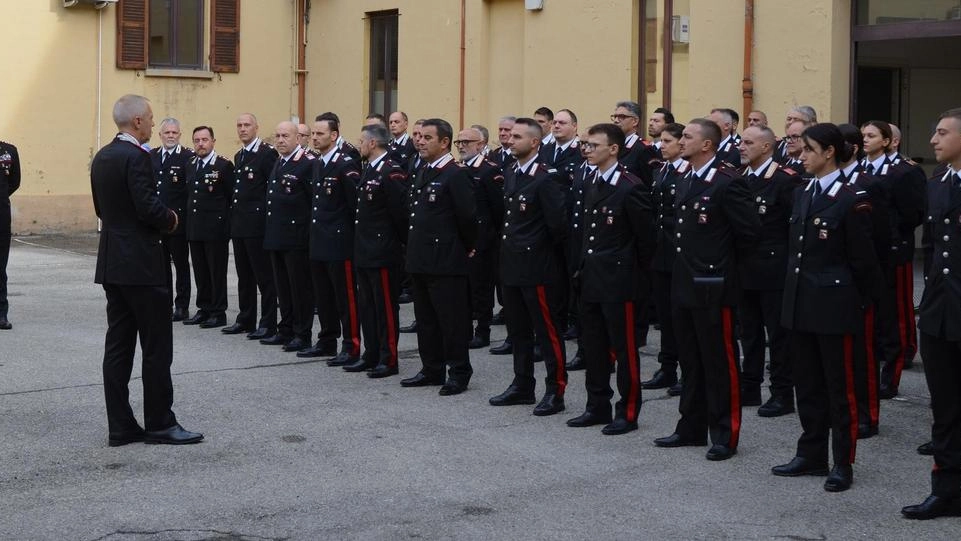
[463, 60]
[747, 84]
[301, 69]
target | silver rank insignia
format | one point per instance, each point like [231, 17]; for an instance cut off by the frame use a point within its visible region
[610, 220]
[432, 198]
[702, 218]
[823, 234]
[762, 209]
[523, 207]
[250, 175]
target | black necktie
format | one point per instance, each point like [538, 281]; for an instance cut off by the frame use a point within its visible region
[163, 157]
[557, 152]
[752, 178]
[817, 189]
[870, 168]
[956, 180]
[243, 155]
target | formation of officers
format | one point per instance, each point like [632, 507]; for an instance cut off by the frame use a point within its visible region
[800, 246]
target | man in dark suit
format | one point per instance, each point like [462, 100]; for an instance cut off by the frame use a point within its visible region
[440, 239]
[727, 150]
[402, 149]
[9, 182]
[562, 153]
[170, 169]
[635, 156]
[130, 267]
[343, 146]
[252, 166]
[502, 155]
[211, 184]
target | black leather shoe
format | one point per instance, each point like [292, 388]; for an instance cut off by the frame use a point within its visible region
[405, 298]
[175, 435]
[675, 440]
[116, 439]
[275, 340]
[799, 466]
[660, 380]
[618, 426]
[777, 406]
[5, 324]
[342, 359]
[840, 478]
[513, 396]
[506, 348]
[451, 388]
[409, 328]
[887, 392]
[213, 322]
[589, 418]
[537, 356]
[867, 431]
[197, 319]
[421, 380]
[382, 371]
[236, 328]
[926, 449]
[479, 340]
[720, 452]
[260, 334]
[317, 351]
[549, 405]
[573, 332]
[750, 396]
[297, 344]
[675, 390]
[359, 365]
[180, 314]
[498, 318]
[577, 363]
[933, 507]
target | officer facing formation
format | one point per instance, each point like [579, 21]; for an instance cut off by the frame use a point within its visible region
[9, 183]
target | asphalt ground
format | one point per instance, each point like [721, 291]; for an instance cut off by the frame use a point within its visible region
[299, 450]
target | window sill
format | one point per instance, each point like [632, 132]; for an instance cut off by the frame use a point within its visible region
[179, 73]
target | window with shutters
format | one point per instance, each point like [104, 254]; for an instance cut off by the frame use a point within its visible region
[169, 34]
[383, 61]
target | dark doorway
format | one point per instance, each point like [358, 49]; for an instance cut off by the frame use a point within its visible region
[877, 95]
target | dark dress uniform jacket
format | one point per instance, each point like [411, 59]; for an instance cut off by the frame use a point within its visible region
[640, 159]
[535, 227]
[567, 161]
[618, 239]
[941, 302]
[729, 153]
[502, 157]
[288, 203]
[209, 200]
[380, 229]
[172, 182]
[773, 193]
[125, 199]
[248, 216]
[402, 154]
[9, 182]
[832, 268]
[717, 224]
[665, 191]
[333, 205]
[576, 198]
[443, 220]
[906, 183]
[489, 194]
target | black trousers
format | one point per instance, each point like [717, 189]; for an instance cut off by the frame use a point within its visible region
[255, 273]
[335, 298]
[179, 254]
[760, 318]
[667, 357]
[943, 373]
[481, 269]
[142, 311]
[897, 335]
[378, 290]
[708, 353]
[609, 334]
[4, 258]
[294, 294]
[210, 274]
[537, 311]
[867, 371]
[824, 381]
[442, 310]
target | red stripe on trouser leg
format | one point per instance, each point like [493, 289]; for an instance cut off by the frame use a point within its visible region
[735, 384]
[902, 328]
[389, 311]
[612, 355]
[849, 391]
[352, 309]
[555, 341]
[632, 362]
[872, 364]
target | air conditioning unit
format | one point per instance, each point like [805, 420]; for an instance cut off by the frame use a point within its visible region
[98, 4]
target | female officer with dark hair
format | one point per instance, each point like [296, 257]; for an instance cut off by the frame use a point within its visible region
[831, 270]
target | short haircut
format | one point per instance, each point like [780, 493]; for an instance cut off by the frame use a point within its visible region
[169, 120]
[402, 114]
[709, 130]
[508, 118]
[328, 116]
[807, 111]
[376, 133]
[882, 127]
[631, 106]
[735, 118]
[614, 134]
[668, 115]
[828, 135]
[676, 130]
[378, 116]
[725, 114]
[129, 107]
[483, 131]
[532, 126]
[952, 113]
[544, 111]
[443, 129]
[208, 128]
[571, 113]
[251, 115]
[855, 141]
[332, 124]
[419, 121]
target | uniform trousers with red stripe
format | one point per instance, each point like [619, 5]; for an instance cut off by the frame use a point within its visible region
[378, 290]
[537, 310]
[335, 298]
[943, 373]
[897, 334]
[708, 355]
[867, 370]
[824, 382]
[609, 334]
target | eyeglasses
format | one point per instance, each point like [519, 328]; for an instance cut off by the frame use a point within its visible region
[588, 146]
[618, 118]
[460, 142]
[792, 137]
